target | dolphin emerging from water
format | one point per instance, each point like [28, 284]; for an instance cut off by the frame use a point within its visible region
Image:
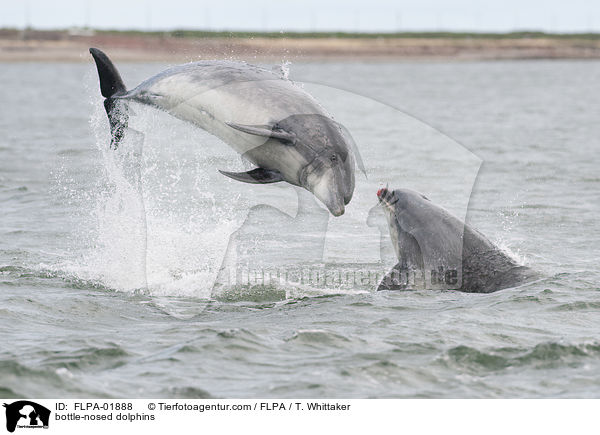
[441, 251]
[262, 115]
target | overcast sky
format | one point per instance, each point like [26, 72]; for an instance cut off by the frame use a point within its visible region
[307, 15]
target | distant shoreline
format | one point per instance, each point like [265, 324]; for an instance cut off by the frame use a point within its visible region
[187, 45]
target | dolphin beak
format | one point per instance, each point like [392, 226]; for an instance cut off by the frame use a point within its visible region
[381, 194]
[337, 211]
[325, 187]
[332, 200]
[386, 197]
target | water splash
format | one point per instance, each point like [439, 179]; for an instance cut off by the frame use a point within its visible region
[149, 223]
[285, 69]
[506, 240]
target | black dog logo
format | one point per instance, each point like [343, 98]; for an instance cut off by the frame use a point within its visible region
[30, 411]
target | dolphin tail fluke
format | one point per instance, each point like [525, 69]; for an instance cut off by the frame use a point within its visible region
[111, 87]
[111, 83]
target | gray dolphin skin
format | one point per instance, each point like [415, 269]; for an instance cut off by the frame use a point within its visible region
[262, 115]
[437, 250]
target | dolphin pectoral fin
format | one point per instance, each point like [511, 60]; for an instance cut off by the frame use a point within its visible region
[255, 176]
[263, 130]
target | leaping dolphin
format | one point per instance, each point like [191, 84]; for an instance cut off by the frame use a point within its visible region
[441, 251]
[265, 117]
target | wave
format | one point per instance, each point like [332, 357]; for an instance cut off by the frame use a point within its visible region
[22, 381]
[577, 306]
[543, 355]
[7, 393]
[186, 393]
[89, 357]
[318, 337]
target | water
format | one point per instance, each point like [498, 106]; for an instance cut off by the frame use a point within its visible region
[114, 265]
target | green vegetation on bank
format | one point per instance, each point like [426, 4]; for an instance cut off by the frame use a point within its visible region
[425, 35]
[183, 33]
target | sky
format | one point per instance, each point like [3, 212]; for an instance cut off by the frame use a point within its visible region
[307, 15]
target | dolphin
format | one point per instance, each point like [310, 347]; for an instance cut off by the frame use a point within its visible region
[437, 250]
[263, 116]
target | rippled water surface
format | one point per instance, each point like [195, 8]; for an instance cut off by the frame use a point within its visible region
[114, 266]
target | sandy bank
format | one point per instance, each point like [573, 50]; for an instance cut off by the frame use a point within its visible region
[62, 46]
